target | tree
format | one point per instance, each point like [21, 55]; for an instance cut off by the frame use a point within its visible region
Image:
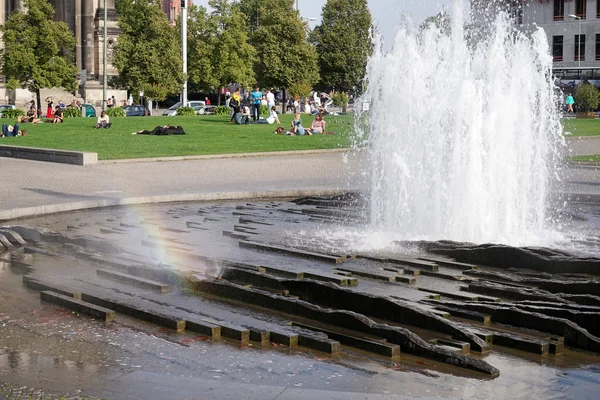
[202, 74]
[38, 52]
[147, 50]
[284, 55]
[441, 22]
[344, 43]
[587, 97]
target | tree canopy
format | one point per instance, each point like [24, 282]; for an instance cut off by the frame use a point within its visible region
[148, 50]
[38, 52]
[344, 44]
[219, 51]
[284, 55]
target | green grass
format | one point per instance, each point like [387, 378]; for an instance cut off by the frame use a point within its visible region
[204, 135]
[592, 158]
[582, 127]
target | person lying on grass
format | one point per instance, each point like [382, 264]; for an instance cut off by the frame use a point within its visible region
[162, 131]
[271, 119]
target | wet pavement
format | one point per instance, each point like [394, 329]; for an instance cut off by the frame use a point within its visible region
[56, 351]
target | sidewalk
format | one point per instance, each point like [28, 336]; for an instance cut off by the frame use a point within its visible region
[31, 187]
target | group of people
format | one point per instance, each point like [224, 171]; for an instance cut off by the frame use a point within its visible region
[296, 129]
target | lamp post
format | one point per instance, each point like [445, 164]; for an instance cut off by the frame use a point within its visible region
[184, 96]
[104, 58]
[578, 41]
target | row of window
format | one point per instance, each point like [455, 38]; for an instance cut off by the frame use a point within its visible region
[579, 48]
[580, 9]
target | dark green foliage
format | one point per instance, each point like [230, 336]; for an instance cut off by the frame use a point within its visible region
[148, 50]
[222, 110]
[38, 52]
[71, 112]
[115, 112]
[587, 97]
[344, 43]
[264, 110]
[12, 113]
[186, 111]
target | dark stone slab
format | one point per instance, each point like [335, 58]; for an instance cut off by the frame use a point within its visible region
[464, 347]
[35, 284]
[291, 251]
[466, 314]
[254, 221]
[133, 280]
[413, 262]
[409, 342]
[137, 312]
[20, 267]
[261, 336]
[372, 273]
[529, 345]
[13, 237]
[203, 328]
[340, 280]
[232, 331]
[590, 300]
[511, 292]
[440, 275]
[79, 306]
[286, 339]
[383, 349]
[451, 295]
[324, 345]
[449, 263]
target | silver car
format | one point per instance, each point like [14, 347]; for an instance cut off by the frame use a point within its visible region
[172, 111]
[6, 107]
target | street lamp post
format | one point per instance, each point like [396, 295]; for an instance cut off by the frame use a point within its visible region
[184, 97]
[578, 41]
[104, 80]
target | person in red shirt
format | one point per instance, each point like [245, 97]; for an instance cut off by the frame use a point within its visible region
[206, 101]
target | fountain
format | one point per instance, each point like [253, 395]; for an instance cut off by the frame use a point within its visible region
[464, 134]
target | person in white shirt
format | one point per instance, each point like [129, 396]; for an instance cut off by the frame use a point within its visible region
[271, 119]
[270, 99]
[103, 120]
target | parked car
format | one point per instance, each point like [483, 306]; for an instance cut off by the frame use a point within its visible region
[90, 111]
[6, 107]
[172, 111]
[205, 110]
[135, 111]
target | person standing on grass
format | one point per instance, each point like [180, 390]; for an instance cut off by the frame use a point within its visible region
[270, 99]
[234, 103]
[256, 98]
[570, 101]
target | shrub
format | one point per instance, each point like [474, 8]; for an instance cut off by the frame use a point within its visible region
[264, 110]
[300, 89]
[340, 99]
[12, 113]
[222, 110]
[115, 112]
[71, 112]
[155, 91]
[186, 111]
[587, 97]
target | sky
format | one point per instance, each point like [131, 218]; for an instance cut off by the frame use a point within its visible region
[386, 13]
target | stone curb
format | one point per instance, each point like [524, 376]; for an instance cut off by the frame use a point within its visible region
[15, 213]
[231, 155]
[575, 137]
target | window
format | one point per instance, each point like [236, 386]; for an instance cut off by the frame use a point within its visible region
[580, 8]
[579, 48]
[559, 10]
[598, 9]
[557, 48]
[597, 46]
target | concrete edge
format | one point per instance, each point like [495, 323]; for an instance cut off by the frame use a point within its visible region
[575, 137]
[232, 155]
[15, 213]
[49, 155]
[583, 163]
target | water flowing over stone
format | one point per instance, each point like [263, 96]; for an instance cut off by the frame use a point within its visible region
[464, 133]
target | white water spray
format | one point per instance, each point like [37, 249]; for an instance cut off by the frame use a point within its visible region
[463, 136]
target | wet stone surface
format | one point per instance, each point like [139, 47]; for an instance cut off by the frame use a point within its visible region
[248, 278]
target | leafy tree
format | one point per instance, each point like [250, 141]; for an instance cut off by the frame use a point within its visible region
[38, 52]
[344, 43]
[148, 50]
[284, 55]
[441, 21]
[587, 97]
[219, 50]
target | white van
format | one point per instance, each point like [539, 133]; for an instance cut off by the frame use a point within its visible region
[172, 111]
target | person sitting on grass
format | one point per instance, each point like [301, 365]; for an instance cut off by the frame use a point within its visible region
[162, 131]
[271, 119]
[103, 121]
[243, 118]
[296, 128]
[31, 117]
[58, 115]
[9, 130]
[318, 125]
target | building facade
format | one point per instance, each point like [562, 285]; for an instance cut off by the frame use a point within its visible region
[173, 8]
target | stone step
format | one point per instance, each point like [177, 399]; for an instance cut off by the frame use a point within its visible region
[40, 286]
[529, 345]
[373, 273]
[79, 306]
[291, 251]
[284, 338]
[451, 295]
[232, 331]
[381, 348]
[449, 263]
[203, 328]
[133, 280]
[464, 347]
[324, 345]
[466, 314]
[235, 235]
[340, 280]
[136, 312]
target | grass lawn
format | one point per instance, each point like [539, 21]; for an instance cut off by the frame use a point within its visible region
[204, 135]
[582, 127]
[592, 158]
